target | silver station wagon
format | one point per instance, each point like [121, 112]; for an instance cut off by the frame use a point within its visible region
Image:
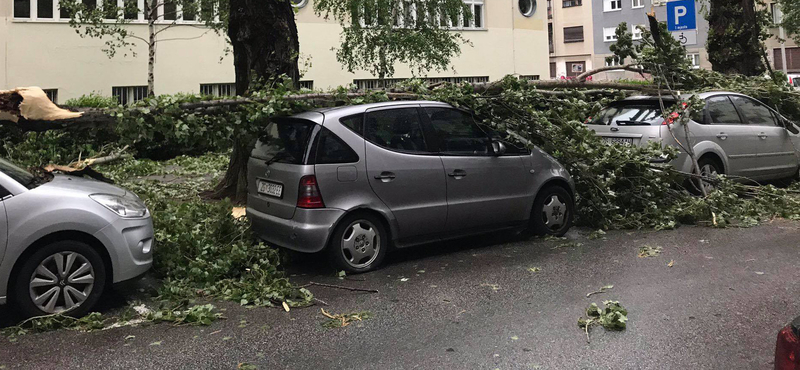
[358, 180]
[733, 134]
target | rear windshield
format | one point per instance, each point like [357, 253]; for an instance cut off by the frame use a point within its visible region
[284, 141]
[628, 114]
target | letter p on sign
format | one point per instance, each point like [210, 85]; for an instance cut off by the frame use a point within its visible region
[681, 15]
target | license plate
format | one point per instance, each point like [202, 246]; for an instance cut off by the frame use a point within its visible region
[619, 140]
[270, 188]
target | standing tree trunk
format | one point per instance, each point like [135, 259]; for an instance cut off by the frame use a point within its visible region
[263, 34]
[734, 37]
[151, 60]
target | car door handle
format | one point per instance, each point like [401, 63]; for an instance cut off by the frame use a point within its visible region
[762, 135]
[722, 136]
[457, 174]
[385, 176]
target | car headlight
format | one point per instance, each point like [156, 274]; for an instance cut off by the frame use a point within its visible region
[128, 205]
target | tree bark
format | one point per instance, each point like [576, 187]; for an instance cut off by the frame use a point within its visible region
[263, 34]
[151, 49]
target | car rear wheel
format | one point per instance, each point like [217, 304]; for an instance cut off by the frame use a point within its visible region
[359, 243]
[63, 277]
[552, 212]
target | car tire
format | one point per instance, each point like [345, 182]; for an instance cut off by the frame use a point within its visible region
[708, 166]
[68, 276]
[552, 212]
[359, 243]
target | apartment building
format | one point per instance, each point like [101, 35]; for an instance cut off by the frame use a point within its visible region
[40, 49]
[608, 14]
[570, 37]
[774, 45]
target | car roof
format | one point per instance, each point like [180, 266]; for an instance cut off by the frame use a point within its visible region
[361, 108]
[668, 97]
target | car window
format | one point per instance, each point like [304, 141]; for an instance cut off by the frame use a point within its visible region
[721, 111]
[455, 132]
[4, 193]
[18, 174]
[331, 149]
[355, 123]
[397, 129]
[754, 112]
[629, 114]
[284, 140]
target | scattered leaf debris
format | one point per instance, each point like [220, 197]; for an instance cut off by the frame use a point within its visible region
[649, 251]
[612, 317]
[534, 269]
[671, 263]
[342, 320]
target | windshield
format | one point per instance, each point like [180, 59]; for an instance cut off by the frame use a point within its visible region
[636, 114]
[18, 174]
[284, 141]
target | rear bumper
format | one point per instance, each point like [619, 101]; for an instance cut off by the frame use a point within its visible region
[308, 231]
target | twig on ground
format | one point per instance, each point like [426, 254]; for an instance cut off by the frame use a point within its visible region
[339, 287]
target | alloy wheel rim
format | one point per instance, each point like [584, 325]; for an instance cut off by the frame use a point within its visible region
[554, 212]
[710, 171]
[61, 282]
[360, 244]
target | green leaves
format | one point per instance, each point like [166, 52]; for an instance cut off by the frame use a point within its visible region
[612, 317]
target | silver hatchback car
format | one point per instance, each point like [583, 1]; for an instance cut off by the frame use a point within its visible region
[358, 180]
[732, 134]
[64, 239]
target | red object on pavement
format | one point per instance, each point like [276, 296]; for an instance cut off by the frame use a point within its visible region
[787, 349]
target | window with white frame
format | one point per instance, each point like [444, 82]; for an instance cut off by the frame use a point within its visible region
[694, 59]
[374, 83]
[219, 89]
[407, 15]
[614, 61]
[777, 16]
[612, 5]
[52, 94]
[169, 11]
[609, 34]
[636, 31]
[637, 4]
[306, 84]
[129, 94]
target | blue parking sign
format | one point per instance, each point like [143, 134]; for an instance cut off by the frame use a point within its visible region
[681, 15]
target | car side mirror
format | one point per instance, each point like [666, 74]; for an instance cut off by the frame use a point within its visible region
[790, 126]
[498, 148]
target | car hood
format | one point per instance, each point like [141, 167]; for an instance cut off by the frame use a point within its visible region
[80, 185]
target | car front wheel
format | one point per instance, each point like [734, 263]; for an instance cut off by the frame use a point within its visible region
[63, 277]
[552, 212]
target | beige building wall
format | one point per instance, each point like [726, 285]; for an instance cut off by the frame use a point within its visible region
[569, 52]
[51, 55]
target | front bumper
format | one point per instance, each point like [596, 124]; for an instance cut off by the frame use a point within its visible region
[307, 231]
[130, 244]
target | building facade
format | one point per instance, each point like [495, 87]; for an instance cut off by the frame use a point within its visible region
[608, 14]
[570, 37]
[40, 49]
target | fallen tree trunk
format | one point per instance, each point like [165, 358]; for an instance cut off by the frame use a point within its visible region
[11, 115]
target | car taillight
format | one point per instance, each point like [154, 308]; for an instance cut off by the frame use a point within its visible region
[787, 350]
[309, 196]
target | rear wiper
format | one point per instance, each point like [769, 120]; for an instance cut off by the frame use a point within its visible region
[279, 156]
[633, 123]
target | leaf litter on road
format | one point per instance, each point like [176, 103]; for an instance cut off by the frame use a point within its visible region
[342, 320]
[649, 251]
[612, 317]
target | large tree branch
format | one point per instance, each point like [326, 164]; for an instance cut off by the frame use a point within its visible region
[100, 118]
[627, 67]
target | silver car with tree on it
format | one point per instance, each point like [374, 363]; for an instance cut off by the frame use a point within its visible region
[65, 239]
[731, 134]
[358, 180]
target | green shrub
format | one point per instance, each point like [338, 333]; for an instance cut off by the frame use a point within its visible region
[93, 100]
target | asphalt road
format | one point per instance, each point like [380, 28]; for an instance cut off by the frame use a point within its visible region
[474, 304]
